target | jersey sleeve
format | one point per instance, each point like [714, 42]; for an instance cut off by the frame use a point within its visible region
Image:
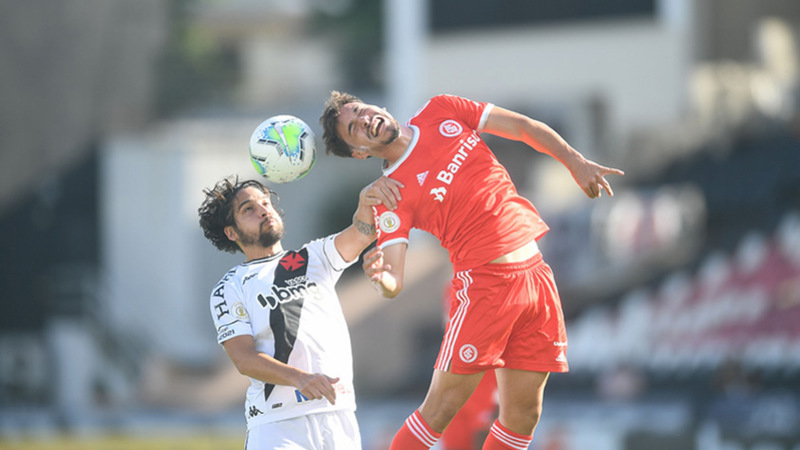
[325, 249]
[392, 227]
[474, 114]
[228, 311]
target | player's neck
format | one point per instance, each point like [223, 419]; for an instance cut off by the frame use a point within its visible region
[397, 149]
[257, 252]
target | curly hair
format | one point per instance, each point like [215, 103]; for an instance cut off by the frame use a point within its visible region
[329, 119]
[216, 211]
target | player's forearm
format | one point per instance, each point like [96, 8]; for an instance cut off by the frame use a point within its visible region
[364, 222]
[387, 285]
[264, 368]
[312, 385]
[356, 239]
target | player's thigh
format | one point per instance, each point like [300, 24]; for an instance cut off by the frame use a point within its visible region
[290, 434]
[338, 430]
[323, 431]
[520, 394]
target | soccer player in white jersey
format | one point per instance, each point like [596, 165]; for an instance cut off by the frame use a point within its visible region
[278, 317]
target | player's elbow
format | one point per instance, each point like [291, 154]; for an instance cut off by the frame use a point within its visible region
[242, 367]
[394, 291]
[245, 365]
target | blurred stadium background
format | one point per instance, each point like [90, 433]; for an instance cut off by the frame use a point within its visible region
[682, 294]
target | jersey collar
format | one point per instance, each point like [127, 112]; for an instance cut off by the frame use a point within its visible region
[265, 259]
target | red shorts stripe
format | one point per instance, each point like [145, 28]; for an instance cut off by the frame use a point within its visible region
[455, 322]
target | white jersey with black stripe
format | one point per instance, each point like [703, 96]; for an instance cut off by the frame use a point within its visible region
[288, 303]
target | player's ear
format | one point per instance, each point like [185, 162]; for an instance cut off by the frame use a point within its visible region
[230, 232]
[358, 154]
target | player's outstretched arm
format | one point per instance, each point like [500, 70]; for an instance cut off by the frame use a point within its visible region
[249, 362]
[355, 238]
[589, 175]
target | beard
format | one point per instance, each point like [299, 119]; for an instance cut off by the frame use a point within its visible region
[265, 238]
[394, 132]
[270, 237]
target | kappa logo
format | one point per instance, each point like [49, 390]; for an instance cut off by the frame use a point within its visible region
[450, 128]
[254, 411]
[421, 177]
[439, 193]
[468, 353]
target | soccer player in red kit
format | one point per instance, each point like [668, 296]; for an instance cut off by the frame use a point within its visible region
[505, 312]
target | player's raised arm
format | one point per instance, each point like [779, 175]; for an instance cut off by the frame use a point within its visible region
[355, 238]
[589, 175]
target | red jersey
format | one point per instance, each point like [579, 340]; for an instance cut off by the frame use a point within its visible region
[456, 189]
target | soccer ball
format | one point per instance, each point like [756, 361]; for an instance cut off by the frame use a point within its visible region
[283, 149]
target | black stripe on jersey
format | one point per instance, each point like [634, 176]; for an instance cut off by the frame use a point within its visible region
[284, 319]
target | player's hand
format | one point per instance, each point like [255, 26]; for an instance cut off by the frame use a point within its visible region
[383, 191]
[373, 265]
[316, 386]
[590, 176]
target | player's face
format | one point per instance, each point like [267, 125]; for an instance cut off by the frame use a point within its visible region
[257, 222]
[365, 127]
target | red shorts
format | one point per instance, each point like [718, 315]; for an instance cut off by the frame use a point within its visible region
[504, 315]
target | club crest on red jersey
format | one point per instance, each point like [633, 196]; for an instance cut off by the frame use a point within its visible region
[450, 128]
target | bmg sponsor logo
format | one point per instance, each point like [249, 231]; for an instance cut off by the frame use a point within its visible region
[304, 288]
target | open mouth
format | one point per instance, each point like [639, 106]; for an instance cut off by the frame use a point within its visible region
[377, 126]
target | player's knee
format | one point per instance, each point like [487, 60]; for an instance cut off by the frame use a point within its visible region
[534, 413]
[523, 418]
[438, 414]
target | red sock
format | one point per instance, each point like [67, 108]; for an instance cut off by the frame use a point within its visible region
[414, 434]
[501, 438]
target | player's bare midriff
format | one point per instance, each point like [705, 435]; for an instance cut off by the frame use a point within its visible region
[523, 253]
